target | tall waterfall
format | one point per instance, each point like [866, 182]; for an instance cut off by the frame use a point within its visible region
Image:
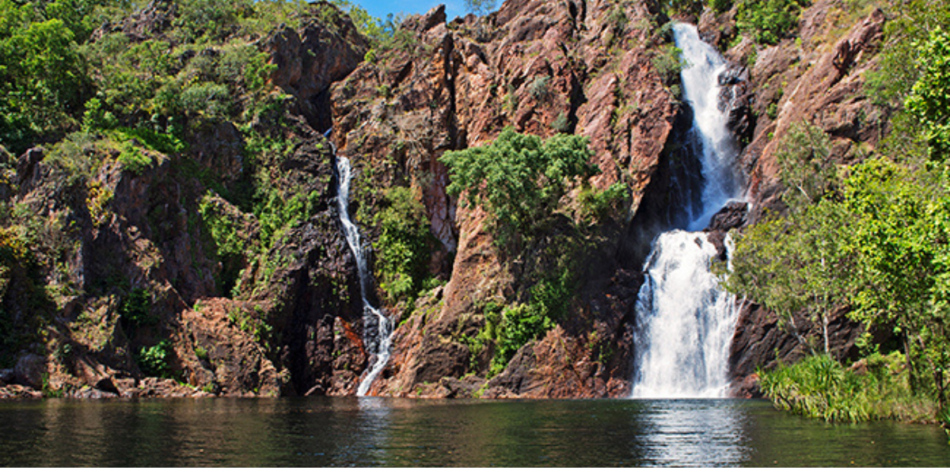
[377, 327]
[684, 321]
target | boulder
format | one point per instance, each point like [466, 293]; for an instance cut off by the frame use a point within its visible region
[29, 371]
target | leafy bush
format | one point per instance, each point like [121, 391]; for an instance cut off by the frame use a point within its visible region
[518, 179]
[522, 323]
[132, 158]
[802, 155]
[204, 20]
[277, 213]
[769, 21]
[136, 309]
[929, 100]
[561, 123]
[669, 62]
[43, 78]
[223, 227]
[519, 325]
[153, 361]
[539, 87]
[595, 205]
[96, 118]
[208, 99]
[404, 243]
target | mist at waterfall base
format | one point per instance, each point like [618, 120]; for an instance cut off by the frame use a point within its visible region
[377, 327]
[685, 322]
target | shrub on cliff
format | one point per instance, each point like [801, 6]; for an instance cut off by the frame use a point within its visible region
[881, 249]
[770, 20]
[929, 100]
[518, 178]
[404, 244]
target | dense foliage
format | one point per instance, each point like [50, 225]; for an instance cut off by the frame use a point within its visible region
[518, 178]
[404, 244]
[874, 240]
[768, 21]
[522, 182]
[131, 84]
[820, 387]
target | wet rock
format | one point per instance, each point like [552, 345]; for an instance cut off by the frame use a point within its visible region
[466, 387]
[7, 376]
[735, 100]
[92, 393]
[164, 388]
[107, 385]
[29, 371]
[15, 391]
[731, 216]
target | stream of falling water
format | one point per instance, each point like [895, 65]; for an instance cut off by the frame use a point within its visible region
[685, 322]
[377, 327]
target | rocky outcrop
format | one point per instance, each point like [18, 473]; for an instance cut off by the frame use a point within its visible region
[814, 83]
[155, 278]
[125, 262]
[733, 215]
[816, 78]
[762, 341]
[311, 58]
[541, 68]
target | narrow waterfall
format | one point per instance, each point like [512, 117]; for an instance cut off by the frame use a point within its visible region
[377, 327]
[684, 321]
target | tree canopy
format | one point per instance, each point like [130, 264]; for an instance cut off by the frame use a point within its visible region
[518, 178]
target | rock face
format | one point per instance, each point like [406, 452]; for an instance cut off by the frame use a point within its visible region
[817, 78]
[817, 84]
[541, 68]
[130, 274]
[142, 266]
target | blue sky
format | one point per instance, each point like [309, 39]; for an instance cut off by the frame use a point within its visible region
[379, 8]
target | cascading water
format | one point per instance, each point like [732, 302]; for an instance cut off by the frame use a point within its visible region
[684, 320]
[378, 328]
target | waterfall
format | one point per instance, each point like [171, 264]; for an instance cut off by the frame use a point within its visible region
[685, 322]
[377, 327]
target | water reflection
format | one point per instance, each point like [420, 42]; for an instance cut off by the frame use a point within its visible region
[694, 433]
[371, 432]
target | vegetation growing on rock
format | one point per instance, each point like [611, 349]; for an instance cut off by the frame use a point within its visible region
[872, 243]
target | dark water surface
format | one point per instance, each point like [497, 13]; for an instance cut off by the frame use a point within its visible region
[394, 432]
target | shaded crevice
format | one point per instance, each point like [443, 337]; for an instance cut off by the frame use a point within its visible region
[661, 207]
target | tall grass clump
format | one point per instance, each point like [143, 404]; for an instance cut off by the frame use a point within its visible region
[820, 387]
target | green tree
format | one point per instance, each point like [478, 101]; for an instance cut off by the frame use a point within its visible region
[901, 230]
[800, 265]
[480, 7]
[518, 178]
[805, 167]
[929, 100]
[404, 244]
[768, 21]
[43, 81]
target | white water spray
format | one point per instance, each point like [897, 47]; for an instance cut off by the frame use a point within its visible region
[377, 327]
[685, 322]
